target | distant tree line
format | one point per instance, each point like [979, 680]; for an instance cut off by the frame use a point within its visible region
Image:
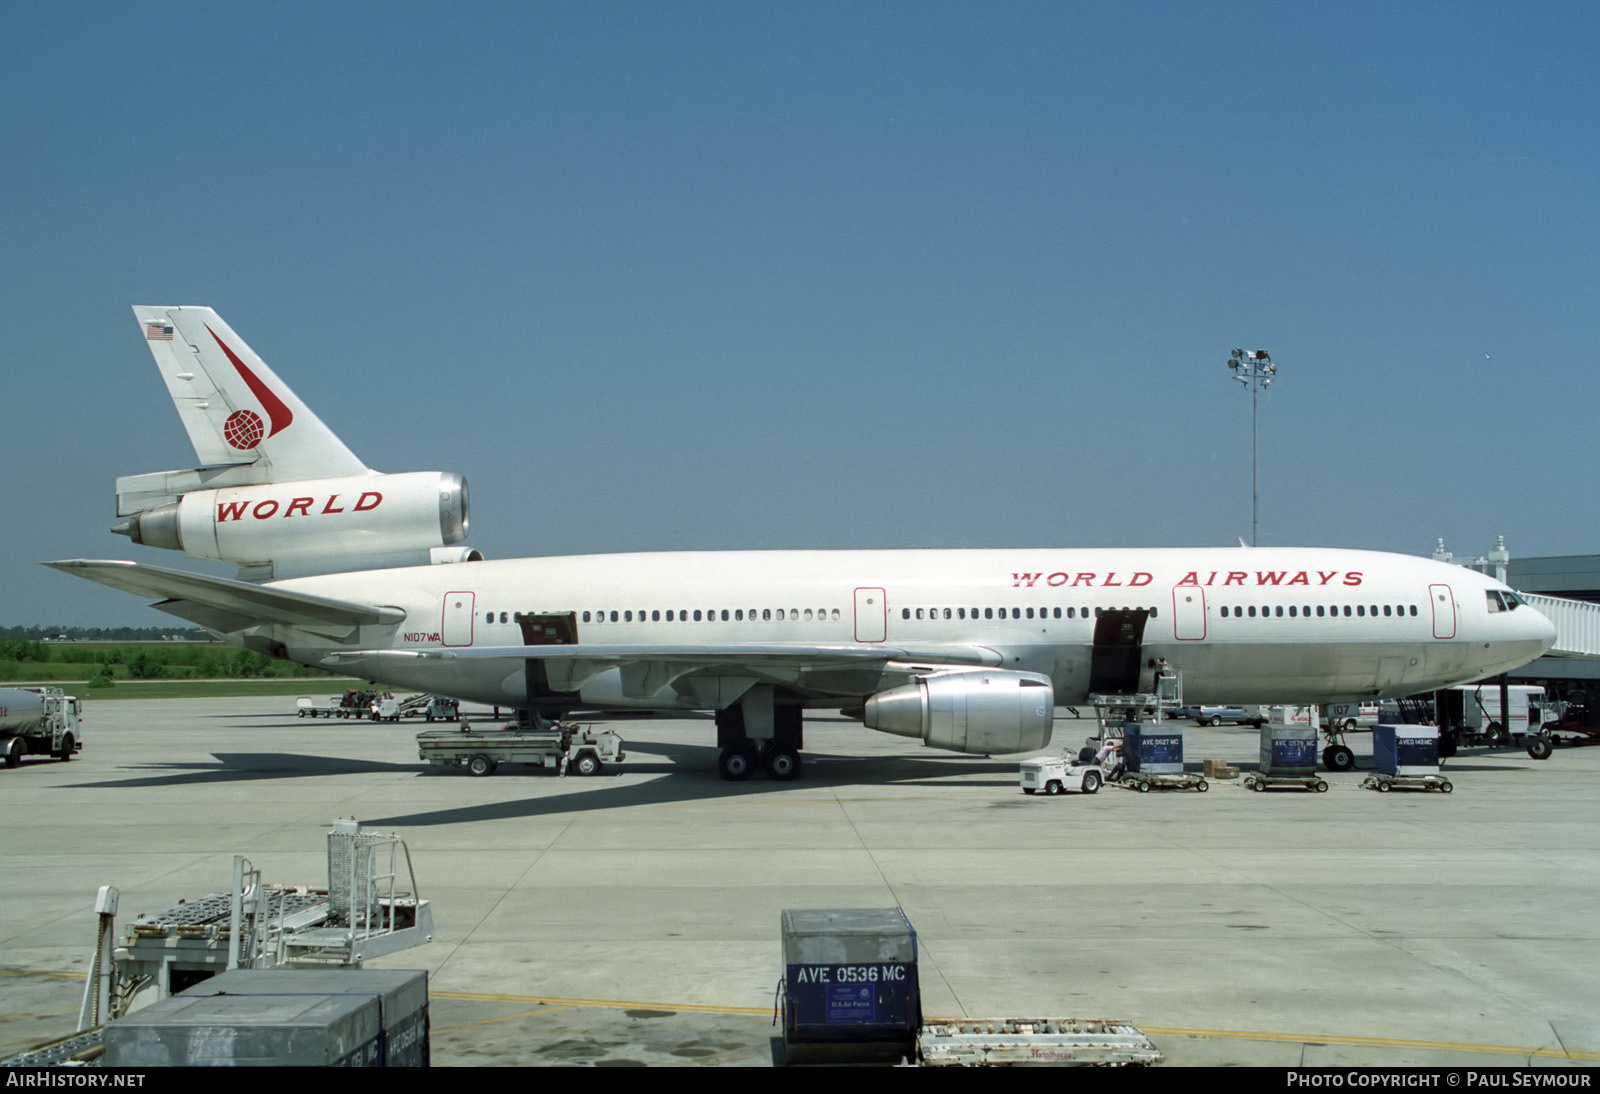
[108, 634]
[101, 663]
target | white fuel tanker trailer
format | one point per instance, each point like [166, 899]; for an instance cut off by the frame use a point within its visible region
[38, 722]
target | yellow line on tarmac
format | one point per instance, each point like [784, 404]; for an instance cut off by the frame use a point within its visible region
[505, 1018]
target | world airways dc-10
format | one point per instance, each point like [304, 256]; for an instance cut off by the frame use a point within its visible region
[342, 566]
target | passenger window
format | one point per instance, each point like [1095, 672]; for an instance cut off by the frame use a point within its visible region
[766, 613]
[738, 614]
[988, 613]
[905, 613]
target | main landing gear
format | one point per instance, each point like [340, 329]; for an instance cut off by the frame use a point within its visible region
[761, 730]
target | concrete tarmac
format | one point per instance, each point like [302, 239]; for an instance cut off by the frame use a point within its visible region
[633, 917]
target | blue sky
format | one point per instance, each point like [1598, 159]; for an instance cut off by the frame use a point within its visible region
[683, 275]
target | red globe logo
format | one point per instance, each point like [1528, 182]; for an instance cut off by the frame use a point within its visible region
[243, 429]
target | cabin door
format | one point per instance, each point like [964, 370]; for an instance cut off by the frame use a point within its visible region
[456, 627]
[872, 616]
[1188, 613]
[1444, 611]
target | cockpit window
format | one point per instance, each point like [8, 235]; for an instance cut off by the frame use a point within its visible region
[1503, 601]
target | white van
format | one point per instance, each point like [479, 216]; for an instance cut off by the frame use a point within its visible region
[1348, 717]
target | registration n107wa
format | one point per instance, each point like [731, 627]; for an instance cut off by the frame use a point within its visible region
[972, 650]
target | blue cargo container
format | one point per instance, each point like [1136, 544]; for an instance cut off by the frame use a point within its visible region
[282, 1018]
[1288, 749]
[850, 984]
[1152, 750]
[1405, 749]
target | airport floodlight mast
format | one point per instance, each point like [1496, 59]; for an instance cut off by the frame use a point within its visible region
[1255, 370]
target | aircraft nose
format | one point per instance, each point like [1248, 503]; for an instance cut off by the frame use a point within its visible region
[1542, 630]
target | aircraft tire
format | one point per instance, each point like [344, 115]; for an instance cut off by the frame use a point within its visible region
[1339, 758]
[735, 764]
[783, 764]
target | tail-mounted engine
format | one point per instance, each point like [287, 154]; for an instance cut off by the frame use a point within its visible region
[983, 711]
[289, 529]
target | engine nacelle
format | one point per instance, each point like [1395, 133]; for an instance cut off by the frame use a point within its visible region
[978, 710]
[313, 526]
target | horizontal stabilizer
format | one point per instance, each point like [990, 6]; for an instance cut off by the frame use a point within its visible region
[224, 601]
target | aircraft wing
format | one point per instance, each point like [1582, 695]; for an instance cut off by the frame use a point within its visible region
[223, 604]
[646, 670]
[774, 655]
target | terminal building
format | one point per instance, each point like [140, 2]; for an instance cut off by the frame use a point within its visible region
[1569, 577]
[1567, 589]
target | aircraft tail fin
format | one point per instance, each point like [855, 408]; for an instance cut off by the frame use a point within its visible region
[234, 408]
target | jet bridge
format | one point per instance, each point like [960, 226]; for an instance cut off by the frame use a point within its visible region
[1577, 625]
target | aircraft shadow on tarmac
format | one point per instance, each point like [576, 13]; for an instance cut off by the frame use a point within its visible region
[691, 776]
[688, 773]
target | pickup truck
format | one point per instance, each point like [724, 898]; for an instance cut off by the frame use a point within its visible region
[1216, 715]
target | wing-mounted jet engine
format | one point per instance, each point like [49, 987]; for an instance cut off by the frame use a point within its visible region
[279, 494]
[987, 711]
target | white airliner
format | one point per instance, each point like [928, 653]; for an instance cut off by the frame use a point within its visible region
[971, 650]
